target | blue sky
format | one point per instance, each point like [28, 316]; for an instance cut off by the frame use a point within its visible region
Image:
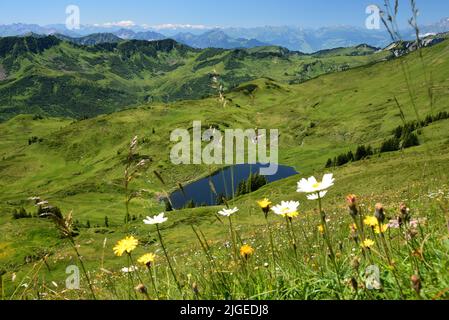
[225, 13]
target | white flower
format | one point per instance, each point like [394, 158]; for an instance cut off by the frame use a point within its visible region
[311, 185]
[156, 219]
[130, 269]
[228, 212]
[286, 208]
[316, 196]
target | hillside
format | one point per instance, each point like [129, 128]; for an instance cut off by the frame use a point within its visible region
[56, 78]
[79, 165]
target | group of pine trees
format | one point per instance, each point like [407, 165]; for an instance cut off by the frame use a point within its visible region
[253, 183]
[403, 137]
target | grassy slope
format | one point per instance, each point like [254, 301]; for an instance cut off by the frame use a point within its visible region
[78, 166]
[79, 81]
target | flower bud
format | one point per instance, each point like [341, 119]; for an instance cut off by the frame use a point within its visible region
[416, 283]
[380, 213]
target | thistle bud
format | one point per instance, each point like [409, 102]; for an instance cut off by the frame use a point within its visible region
[404, 216]
[354, 284]
[195, 288]
[416, 284]
[352, 205]
[380, 213]
[141, 289]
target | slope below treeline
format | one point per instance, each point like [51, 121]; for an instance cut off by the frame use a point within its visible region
[56, 78]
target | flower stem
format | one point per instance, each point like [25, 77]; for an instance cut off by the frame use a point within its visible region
[168, 260]
[83, 268]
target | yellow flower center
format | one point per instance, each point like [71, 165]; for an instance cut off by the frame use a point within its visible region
[316, 185]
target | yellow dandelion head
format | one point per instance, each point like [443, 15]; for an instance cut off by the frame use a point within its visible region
[293, 215]
[368, 244]
[381, 228]
[128, 245]
[371, 221]
[264, 204]
[321, 229]
[246, 251]
[147, 259]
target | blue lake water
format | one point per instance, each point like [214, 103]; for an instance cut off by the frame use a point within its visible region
[200, 191]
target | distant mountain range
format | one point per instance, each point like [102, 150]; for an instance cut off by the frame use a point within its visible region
[292, 38]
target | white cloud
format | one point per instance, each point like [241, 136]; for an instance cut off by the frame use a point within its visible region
[171, 26]
[122, 24]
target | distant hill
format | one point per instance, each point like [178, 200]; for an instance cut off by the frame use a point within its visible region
[216, 39]
[84, 77]
[92, 39]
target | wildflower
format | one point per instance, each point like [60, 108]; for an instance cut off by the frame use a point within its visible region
[265, 206]
[141, 289]
[316, 196]
[380, 214]
[404, 216]
[352, 205]
[195, 288]
[379, 229]
[156, 219]
[147, 259]
[246, 251]
[416, 222]
[416, 283]
[130, 269]
[394, 224]
[353, 227]
[287, 209]
[128, 245]
[311, 185]
[228, 212]
[371, 221]
[321, 229]
[368, 244]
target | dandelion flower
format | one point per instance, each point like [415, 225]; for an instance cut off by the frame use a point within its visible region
[321, 229]
[264, 204]
[128, 245]
[368, 244]
[311, 185]
[159, 219]
[228, 212]
[381, 228]
[371, 221]
[287, 209]
[246, 251]
[147, 259]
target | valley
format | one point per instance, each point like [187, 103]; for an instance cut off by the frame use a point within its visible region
[85, 104]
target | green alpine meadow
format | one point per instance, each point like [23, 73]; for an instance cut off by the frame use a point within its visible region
[93, 205]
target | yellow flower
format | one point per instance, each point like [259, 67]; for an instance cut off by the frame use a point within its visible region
[321, 229]
[371, 221]
[128, 245]
[147, 259]
[264, 204]
[368, 244]
[292, 215]
[381, 228]
[246, 251]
